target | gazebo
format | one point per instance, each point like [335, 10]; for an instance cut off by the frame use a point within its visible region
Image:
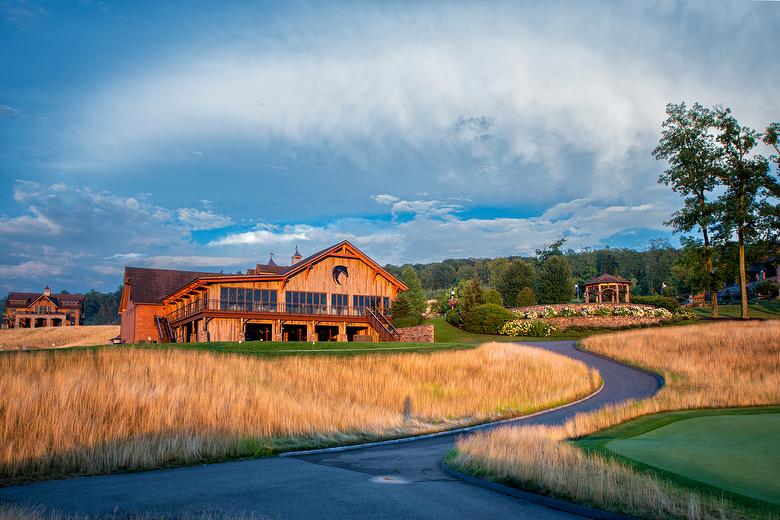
[607, 289]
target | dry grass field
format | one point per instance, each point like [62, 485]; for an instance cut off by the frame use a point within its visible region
[712, 365]
[88, 412]
[55, 337]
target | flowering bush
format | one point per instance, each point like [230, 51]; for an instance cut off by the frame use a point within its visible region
[537, 328]
[566, 312]
[636, 311]
[684, 314]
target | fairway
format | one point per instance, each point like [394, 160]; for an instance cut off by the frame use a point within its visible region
[738, 453]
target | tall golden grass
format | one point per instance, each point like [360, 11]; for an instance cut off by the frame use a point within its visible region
[713, 365]
[54, 337]
[88, 412]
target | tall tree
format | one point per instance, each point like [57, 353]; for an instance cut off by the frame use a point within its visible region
[555, 283]
[748, 183]
[688, 145]
[553, 249]
[471, 296]
[415, 294]
[518, 275]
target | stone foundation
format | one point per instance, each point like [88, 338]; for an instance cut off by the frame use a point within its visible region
[418, 334]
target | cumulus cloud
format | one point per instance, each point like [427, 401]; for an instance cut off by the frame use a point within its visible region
[435, 232]
[73, 232]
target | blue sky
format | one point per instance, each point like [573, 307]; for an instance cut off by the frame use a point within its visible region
[204, 136]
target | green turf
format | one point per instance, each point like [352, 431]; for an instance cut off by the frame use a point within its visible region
[735, 450]
[446, 333]
[447, 337]
[764, 309]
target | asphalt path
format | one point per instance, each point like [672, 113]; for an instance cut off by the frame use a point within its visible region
[396, 481]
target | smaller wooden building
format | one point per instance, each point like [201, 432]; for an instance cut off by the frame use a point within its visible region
[32, 310]
[607, 288]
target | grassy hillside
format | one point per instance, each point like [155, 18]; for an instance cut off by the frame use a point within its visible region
[57, 337]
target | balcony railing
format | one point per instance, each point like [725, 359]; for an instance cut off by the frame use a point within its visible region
[41, 311]
[278, 308]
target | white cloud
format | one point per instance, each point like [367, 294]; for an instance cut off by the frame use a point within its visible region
[30, 269]
[434, 232]
[197, 219]
[37, 222]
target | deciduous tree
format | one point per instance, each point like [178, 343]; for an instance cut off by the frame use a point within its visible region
[744, 207]
[688, 145]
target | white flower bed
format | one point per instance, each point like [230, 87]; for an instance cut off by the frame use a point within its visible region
[636, 311]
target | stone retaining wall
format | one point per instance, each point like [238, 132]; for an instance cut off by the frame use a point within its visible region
[601, 322]
[418, 334]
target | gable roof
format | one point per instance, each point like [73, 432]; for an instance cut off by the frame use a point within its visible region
[321, 255]
[152, 285]
[60, 300]
[606, 278]
[275, 272]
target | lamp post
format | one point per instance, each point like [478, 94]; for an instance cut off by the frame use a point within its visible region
[452, 301]
[577, 290]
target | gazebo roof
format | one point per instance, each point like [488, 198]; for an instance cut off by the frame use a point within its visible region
[606, 278]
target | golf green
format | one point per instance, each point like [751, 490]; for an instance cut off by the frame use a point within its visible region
[738, 453]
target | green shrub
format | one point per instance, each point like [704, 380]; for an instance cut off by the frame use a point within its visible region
[407, 321]
[526, 297]
[665, 302]
[453, 317]
[403, 312]
[492, 296]
[767, 288]
[487, 318]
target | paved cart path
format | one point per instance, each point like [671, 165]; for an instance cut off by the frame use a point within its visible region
[394, 481]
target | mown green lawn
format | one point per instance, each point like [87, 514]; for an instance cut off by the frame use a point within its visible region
[447, 338]
[446, 333]
[734, 450]
[764, 309]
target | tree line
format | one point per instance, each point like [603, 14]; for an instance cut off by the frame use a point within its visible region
[550, 275]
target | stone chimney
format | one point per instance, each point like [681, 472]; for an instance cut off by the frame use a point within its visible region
[46, 291]
[296, 257]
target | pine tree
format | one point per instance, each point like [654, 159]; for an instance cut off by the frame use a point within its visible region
[555, 284]
[415, 294]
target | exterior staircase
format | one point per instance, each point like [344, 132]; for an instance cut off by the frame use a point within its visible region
[164, 330]
[380, 323]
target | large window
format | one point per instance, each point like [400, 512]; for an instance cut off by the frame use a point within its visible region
[339, 304]
[253, 300]
[299, 302]
[360, 302]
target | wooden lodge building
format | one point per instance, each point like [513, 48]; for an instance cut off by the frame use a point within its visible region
[337, 294]
[32, 310]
